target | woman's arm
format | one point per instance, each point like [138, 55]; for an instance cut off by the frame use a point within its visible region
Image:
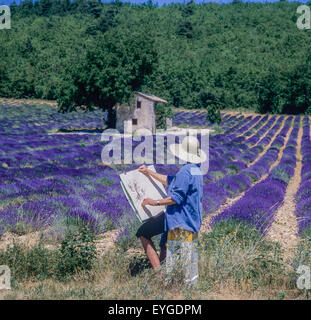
[160, 177]
[163, 202]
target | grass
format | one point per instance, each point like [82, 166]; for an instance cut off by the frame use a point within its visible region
[237, 251]
[236, 262]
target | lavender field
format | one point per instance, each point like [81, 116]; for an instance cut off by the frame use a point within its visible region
[51, 179]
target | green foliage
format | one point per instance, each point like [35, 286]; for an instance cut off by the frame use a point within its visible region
[162, 112]
[36, 262]
[212, 101]
[77, 253]
[186, 29]
[108, 19]
[109, 225]
[288, 92]
[213, 114]
[269, 99]
[246, 55]
[112, 69]
[298, 91]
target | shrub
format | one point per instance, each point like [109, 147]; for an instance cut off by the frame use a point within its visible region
[77, 253]
[213, 114]
[162, 112]
[27, 263]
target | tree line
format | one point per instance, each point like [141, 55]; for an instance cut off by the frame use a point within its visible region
[84, 52]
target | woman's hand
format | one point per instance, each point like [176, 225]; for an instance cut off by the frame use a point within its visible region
[143, 169]
[160, 177]
[149, 202]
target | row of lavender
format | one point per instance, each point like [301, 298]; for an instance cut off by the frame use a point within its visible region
[259, 204]
[226, 151]
[53, 179]
[27, 119]
[250, 172]
[236, 146]
[303, 195]
[47, 181]
[232, 186]
[48, 154]
[194, 118]
[239, 145]
[39, 193]
[26, 145]
[72, 155]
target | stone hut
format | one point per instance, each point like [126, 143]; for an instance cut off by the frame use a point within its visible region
[139, 115]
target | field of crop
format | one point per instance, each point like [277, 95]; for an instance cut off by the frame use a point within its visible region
[52, 180]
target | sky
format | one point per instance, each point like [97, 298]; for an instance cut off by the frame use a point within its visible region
[161, 2]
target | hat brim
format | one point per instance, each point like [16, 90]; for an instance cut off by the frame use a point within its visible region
[178, 152]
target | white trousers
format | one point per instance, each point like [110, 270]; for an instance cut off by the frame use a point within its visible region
[184, 256]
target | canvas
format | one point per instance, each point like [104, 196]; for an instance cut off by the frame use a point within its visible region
[137, 187]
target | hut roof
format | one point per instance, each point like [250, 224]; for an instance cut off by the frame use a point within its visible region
[151, 97]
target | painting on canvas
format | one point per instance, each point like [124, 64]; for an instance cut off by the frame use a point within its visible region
[137, 186]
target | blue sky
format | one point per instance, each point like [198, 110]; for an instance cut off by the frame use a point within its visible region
[160, 2]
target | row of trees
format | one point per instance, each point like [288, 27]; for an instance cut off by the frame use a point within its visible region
[239, 55]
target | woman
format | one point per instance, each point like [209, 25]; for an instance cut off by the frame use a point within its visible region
[184, 201]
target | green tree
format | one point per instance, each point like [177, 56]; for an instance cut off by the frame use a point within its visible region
[108, 18]
[213, 114]
[58, 49]
[162, 112]
[186, 26]
[270, 94]
[113, 68]
[298, 90]
[210, 101]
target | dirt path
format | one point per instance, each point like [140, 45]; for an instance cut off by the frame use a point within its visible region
[284, 227]
[206, 221]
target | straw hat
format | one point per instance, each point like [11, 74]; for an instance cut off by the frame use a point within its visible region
[189, 150]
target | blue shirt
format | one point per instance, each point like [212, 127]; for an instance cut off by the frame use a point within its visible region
[186, 190]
